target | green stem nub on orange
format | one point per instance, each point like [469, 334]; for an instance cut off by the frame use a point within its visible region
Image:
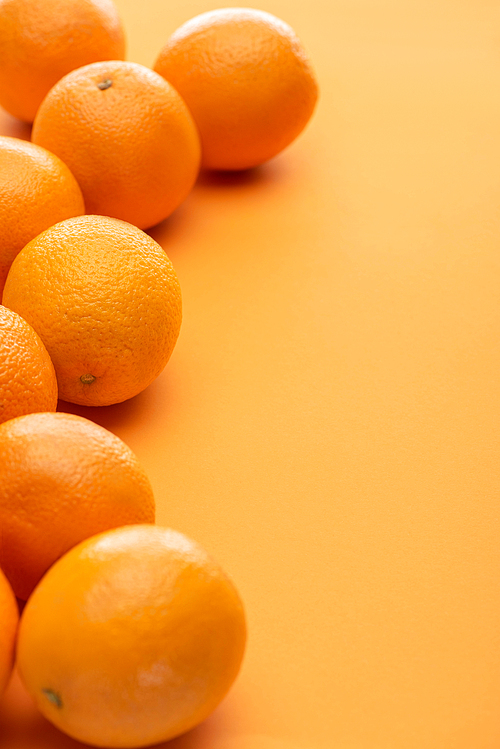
[103, 85]
[87, 379]
[53, 697]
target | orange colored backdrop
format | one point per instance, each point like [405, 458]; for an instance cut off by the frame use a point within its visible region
[328, 426]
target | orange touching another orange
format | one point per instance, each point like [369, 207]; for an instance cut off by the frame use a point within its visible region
[36, 191]
[42, 40]
[126, 135]
[9, 617]
[27, 378]
[105, 300]
[160, 633]
[62, 479]
[247, 80]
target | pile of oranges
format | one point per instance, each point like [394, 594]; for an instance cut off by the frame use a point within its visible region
[131, 633]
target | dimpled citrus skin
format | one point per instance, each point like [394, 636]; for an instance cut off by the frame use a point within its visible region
[126, 135]
[42, 40]
[9, 617]
[105, 300]
[160, 632]
[36, 191]
[62, 479]
[246, 79]
[27, 378]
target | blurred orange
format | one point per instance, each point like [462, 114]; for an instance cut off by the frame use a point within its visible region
[8, 628]
[42, 41]
[62, 479]
[160, 632]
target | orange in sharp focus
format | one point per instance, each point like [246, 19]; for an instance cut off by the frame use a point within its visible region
[27, 377]
[105, 300]
[247, 80]
[126, 135]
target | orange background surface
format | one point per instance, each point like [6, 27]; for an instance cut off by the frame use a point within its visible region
[328, 426]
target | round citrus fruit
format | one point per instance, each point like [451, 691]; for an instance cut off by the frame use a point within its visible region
[160, 632]
[27, 378]
[105, 300]
[36, 191]
[42, 40]
[62, 479]
[246, 79]
[126, 135]
[8, 627]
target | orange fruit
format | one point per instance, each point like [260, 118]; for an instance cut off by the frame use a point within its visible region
[8, 627]
[247, 80]
[105, 300]
[27, 378]
[62, 479]
[126, 135]
[42, 40]
[160, 634]
[36, 191]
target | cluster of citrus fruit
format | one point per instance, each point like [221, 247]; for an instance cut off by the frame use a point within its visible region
[131, 633]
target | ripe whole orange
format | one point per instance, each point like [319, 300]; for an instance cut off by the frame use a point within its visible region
[160, 632]
[36, 191]
[105, 300]
[126, 135]
[27, 377]
[247, 80]
[62, 479]
[9, 617]
[42, 40]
